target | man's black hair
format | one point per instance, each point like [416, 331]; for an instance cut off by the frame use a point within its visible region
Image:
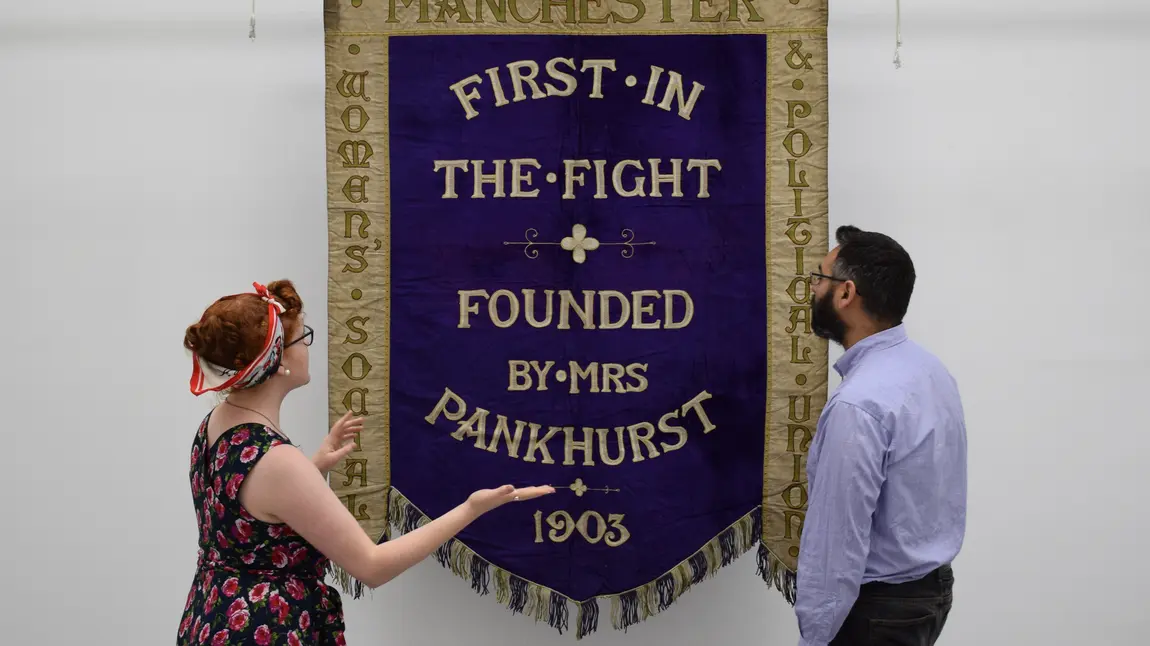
[881, 270]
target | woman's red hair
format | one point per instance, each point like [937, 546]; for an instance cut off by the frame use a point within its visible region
[232, 330]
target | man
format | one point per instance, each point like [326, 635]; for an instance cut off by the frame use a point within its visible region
[887, 467]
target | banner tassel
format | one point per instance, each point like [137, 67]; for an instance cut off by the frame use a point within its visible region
[559, 612]
[480, 576]
[587, 620]
[666, 588]
[698, 563]
[518, 602]
[252, 22]
[776, 574]
[727, 546]
[625, 610]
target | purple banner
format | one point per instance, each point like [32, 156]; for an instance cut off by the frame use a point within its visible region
[578, 295]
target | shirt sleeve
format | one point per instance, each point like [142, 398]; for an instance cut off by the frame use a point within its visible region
[848, 473]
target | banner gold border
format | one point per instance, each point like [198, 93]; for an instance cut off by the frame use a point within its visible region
[797, 201]
[359, 276]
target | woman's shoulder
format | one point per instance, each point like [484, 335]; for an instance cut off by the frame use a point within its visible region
[241, 445]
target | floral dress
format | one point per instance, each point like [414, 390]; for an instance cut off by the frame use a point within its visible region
[256, 582]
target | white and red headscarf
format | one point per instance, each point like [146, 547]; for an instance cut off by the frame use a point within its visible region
[208, 377]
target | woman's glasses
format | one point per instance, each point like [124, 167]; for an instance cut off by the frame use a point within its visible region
[308, 336]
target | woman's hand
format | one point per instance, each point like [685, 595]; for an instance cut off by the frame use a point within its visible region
[339, 442]
[485, 500]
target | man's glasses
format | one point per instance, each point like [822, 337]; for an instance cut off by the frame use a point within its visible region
[816, 277]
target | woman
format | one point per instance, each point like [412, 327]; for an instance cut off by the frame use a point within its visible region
[268, 521]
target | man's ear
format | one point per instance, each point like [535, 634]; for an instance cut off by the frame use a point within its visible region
[848, 293]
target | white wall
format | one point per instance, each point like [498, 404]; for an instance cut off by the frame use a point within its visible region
[151, 159]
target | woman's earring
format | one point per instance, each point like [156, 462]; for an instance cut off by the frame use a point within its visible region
[287, 372]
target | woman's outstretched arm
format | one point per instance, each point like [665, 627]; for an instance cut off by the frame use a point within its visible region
[285, 484]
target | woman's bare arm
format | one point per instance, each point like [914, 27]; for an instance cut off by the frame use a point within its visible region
[285, 484]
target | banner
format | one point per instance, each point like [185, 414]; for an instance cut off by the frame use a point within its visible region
[570, 244]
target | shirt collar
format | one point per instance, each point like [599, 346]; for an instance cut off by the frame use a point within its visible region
[877, 341]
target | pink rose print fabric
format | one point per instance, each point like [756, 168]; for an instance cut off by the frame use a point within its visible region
[256, 582]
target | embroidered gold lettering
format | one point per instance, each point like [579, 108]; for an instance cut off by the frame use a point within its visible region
[637, 308]
[591, 526]
[643, 441]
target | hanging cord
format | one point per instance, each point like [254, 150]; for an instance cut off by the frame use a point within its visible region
[252, 27]
[897, 32]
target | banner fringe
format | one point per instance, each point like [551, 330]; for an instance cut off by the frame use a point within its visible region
[776, 574]
[544, 604]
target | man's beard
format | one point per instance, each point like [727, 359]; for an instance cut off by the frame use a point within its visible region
[825, 321]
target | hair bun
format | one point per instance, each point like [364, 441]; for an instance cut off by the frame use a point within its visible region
[192, 339]
[212, 338]
[284, 292]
